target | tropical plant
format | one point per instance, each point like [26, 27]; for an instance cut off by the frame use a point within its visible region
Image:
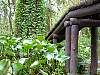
[83, 51]
[31, 56]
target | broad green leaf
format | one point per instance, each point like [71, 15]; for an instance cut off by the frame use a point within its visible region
[7, 66]
[39, 46]
[9, 53]
[34, 64]
[4, 66]
[44, 73]
[27, 47]
[1, 73]
[17, 67]
[41, 38]
[50, 48]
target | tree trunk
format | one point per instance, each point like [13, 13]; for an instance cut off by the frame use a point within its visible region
[5, 26]
[9, 16]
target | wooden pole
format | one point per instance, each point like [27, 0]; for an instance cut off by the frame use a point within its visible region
[55, 39]
[68, 44]
[94, 57]
[74, 49]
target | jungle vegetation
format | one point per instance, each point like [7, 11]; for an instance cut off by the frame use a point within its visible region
[23, 48]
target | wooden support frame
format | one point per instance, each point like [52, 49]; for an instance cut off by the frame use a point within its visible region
[86, 22]
[74, 49]
[83, 23]
[78, 18]
[67, 43]
[94, 56]
[78, 13]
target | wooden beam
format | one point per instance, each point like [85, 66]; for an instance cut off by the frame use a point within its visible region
[67, 44]
[90, 10]
[86, 22]
[79, 13]
[74, 49]
[94, 57]
[81, 23]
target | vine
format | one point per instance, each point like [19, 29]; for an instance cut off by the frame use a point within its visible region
[29, 17]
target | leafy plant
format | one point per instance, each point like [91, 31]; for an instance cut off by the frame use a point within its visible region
[29, 17]
[83, 52]
[31, 56]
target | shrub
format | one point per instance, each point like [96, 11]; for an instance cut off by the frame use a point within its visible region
[31, 56]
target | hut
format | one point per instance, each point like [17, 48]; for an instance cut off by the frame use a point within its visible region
[87, 14]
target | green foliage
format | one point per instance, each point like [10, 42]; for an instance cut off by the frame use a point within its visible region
[29, 17]
[83, 52]
[4, 66]
[31, 56]
[4, 26]
[84, 48]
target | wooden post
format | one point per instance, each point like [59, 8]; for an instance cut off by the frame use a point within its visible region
[94, 57]
[68, 44]
[55, 38]
[74, 49]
